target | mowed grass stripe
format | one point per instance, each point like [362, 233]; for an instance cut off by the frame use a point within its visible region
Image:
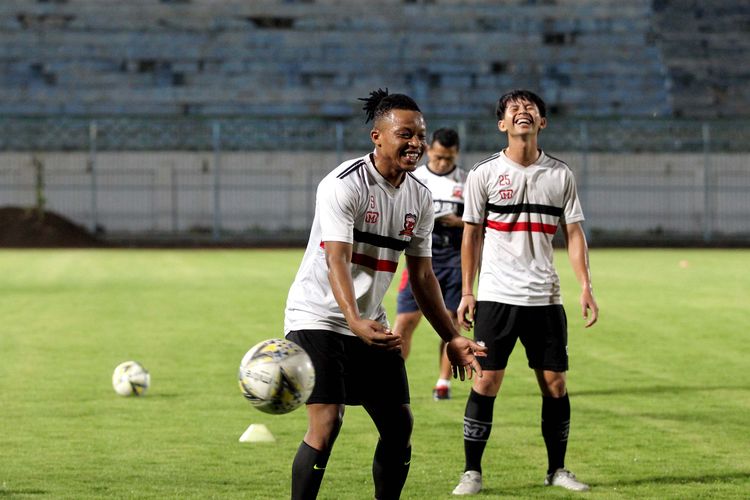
[658, 387]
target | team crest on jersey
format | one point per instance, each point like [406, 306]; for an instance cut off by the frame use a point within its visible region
[410, 220]
[458, 191]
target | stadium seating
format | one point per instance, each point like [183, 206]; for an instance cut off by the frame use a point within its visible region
[202, 57]
[192, 117]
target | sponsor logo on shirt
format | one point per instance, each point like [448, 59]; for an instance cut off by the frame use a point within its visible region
[410, 220]
[504, 193]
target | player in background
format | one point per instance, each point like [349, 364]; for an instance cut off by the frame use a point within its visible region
[368, 211]
[445, 181]
[514, 202]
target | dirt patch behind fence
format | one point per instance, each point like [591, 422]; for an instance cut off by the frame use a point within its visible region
[28, 228]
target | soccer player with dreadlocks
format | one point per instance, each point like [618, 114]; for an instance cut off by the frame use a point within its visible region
[368, 211]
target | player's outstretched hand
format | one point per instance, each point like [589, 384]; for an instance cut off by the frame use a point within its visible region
[376, 334]
[462, 353]
[466, 311]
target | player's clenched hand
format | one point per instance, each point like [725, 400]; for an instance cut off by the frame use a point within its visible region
[462, 353]
[466, 311]
[376, 334]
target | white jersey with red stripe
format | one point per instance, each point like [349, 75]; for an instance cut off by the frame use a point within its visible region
[356, 205]
[521, 208]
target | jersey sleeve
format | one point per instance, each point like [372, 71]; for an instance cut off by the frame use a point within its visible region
[421, 243]
[447, 193]
[475, 198]
[443, 208]
[337, 207]
[572, 211]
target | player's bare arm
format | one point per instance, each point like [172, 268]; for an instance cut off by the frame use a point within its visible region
[450, 220]
[579, 259]
[461, 351]
[471, 247]
[338, 259]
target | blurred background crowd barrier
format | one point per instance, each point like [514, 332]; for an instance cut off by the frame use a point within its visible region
[205, 121]
[253, 180]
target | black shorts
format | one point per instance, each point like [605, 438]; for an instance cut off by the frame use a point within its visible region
[449, 279]
[543, 331]
[348, 371]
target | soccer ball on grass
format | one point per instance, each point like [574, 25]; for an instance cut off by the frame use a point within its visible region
[131, 379]
[276, 376]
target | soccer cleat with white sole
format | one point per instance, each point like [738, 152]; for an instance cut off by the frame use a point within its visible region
[565, 479]
[470, 483]
[441, 392]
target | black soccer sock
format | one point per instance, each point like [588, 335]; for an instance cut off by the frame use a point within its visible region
[307, 471]
[389, 469]
[477, 428]
[555, 427]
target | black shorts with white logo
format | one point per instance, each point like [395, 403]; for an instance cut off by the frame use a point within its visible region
[543, 331]
[348, 371]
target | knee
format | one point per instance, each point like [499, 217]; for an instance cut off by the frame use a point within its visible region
[398, 432]
[323, 430]
[489, 383]
[407, 322]
[405, 424]
[555, 388]
[333, 424]
[408, 422]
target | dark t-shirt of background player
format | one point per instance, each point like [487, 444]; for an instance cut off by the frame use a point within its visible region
[446, 262]
[446, 242]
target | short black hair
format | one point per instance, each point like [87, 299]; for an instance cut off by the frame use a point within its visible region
[519, 95]
[447, 137]
[380, 102]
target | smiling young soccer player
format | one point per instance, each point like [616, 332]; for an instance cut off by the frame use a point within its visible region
[514, 202]
[368, 211]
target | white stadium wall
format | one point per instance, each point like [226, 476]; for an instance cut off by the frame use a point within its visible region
[270, 195]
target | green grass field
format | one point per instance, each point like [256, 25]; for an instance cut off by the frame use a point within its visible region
[659, 392]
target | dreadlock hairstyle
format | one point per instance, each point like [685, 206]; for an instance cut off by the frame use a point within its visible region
[381, 102]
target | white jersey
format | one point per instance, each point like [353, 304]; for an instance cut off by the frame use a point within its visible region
[447, 198]
[521, 208]
[356, 205]
[446, 189]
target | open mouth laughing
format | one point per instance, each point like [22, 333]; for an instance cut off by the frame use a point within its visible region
[523, 119]
[412, 156]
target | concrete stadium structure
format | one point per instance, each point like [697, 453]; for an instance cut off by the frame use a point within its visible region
[185, 119]
[281, 57]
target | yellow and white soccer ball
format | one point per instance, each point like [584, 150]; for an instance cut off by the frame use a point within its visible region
[131, 379]
[276, 376]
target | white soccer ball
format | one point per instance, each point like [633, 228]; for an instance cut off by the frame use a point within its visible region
[131, 379]
[276, 376]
